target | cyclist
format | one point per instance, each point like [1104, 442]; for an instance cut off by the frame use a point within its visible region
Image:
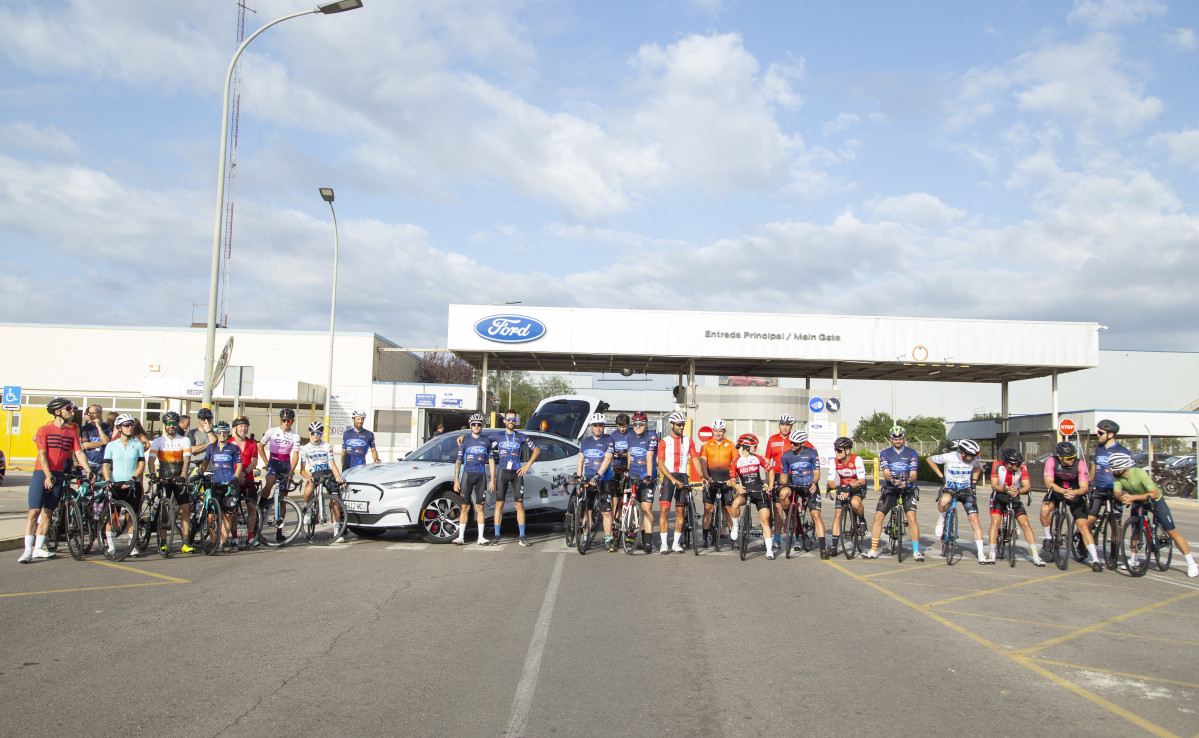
[746, 471]
[595, 467]
[1133, 484]
[57, 443]
[280, 452]
[172, 452]
[961, 474]
[643, 459]
[1009, 480]
[223, 459]
[801, 472]
[510, 445]
[474, 455]
[318, 464]
[1066, 478]
[124, 464]
[95, 436]
[248, 448]
[355, 442]
[200, 437]
[677, 455]
[620, 454]
[899, 465]
[714, 459]
[847, 479]
[1102, 480]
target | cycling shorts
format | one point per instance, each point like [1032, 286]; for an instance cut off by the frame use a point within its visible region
[805, 492]
[758, 496]
[41, 498]
[1099, 495]
[889, 498]
[599, 495]
[715, 489]
[967, 497]
[1164, 518]
[474, 487]
[670, 492]
[130, 492]
[278, 467]
[852, 493]
[1078, 505]
[227, 494]
[643, 489]
[508, 479]
[178, 489]
[1001, 500]
[324, 477]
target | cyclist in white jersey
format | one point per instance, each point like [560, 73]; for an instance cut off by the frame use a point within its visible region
[960, 475]
[280, 452]
[316, 460]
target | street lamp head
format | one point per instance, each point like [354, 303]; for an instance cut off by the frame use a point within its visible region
[339, 7]
[327, 194]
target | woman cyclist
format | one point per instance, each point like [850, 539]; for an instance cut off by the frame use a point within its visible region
[1009, 480]
[745, 471]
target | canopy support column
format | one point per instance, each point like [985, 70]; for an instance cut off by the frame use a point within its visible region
[1056, 431]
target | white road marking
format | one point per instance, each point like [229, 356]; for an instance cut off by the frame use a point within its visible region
[1175, 582]
[408, 546]
[519, 717]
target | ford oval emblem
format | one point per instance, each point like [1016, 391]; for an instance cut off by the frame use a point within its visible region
[510, 328]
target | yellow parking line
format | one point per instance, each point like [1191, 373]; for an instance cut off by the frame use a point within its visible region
[84, 589]
[1037, 580]
[1016, 657]
[1103, 624]
[1152, 638]
[995, 617]
[1114, 673]
[1175, 612]
[175, 580]
[893, 571]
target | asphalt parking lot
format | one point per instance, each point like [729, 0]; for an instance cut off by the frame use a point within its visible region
[395, 636]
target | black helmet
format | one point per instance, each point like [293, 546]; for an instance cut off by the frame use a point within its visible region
[1065, 449]
[57, 404]
[1011, 456]
[1109, 426]
[843, 443]
[241, 420]
[170, 416]
[204, 414]
[287, 414]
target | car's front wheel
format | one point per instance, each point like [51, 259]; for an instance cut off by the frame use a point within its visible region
[439, 516]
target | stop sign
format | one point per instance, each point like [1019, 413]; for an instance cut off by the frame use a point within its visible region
[1066, 426]
[705, 434]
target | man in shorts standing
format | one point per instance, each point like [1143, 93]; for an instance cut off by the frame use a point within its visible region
[356, 441]
[57, 442]
[511, 445]
[474, 455]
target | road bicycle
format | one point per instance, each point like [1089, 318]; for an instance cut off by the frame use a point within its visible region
[630, 517]
[568, 518]
[324, 515]
[281, 513]
[620, 482]
[797, 522]
[1106, 531]
[1143, 536]
[722, 495]
[1009, 528]
[949, 534]
[897, 523]
[746, 521]
[1061, 530]
[583, 518]
[686, 508]
[206, 513]
[853, 526]
[93, 514]
[156, 515]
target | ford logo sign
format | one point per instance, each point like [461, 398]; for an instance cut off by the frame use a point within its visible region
[510, 329]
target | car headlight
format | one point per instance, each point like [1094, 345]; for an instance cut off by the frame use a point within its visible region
[417, 482]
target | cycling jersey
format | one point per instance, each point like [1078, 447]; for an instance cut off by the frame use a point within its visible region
[124, 458]
[776, 446]
[511, 446]
[1103, 472]
[249, 452]
[675, 452]
[1001, 476]
[1138, 482]
[60, 444]
[354, 445]
[620, 449]
[718, 455]
[280, 443]
[222, 461]
[959, 474]
[1066, 477]
[643, 453]
[593, 450]
[748, 470]
[844, 473]
[316, 456]
[800, 467]
[474, 453]
[901, 463]
[91, 434]
[171, 453]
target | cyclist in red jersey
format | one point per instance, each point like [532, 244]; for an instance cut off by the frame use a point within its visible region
[57, 442]
[1009, 480]
[677, 455]
[249, 455]
[746, 471]
[776, 446]
[846, 484]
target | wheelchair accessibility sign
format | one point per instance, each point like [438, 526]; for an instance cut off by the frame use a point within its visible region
[12, 398]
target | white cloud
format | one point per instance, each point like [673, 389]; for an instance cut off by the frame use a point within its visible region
[1112, 13]
[841, 122]
[917, 208]
[1181, 39]
[1182, 145]
[47, 141]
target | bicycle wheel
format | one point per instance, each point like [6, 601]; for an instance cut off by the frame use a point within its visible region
[1011, 538]
[717, 523]
[325, 526]
[950, 537]
[1163, 548]
[582, 525]
[283, 530]
[76, 531]
[121, 521]
[632, 526]
[568, 519]
[1134, 548]
[145, 520]
[1078, 549]
[789, 525]
[743, 535]
[1109, 536]
[245, 511]
[1063, 538]
[164, 524]
[806, 530]
[690, 524]
[210, 528]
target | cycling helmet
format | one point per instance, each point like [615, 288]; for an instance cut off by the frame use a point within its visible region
[676, 417]
[57, 404]
[597, 419]
[640, 417]
[224, 427]
[718, 424]
[241, 420]
[204, 414]
[843, 443]
[1120, 461]
[622, 419]
[476, 418]
[287, 414]
[798, 436]
[747, 440]
[968, 447]
[358, 414]
[1065, 449]
[170, 416]
[1011, 456]
[122, 419]
[316, 426]
[1109, 426]
[786, 419]
[897, 431]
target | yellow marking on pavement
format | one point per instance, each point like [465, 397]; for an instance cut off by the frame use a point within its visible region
[1008, 620]
[1103, 624]
[85, 589]
[1017, 657]
[1175, 612]
[175, 580]
[1026, 582]
[1114, 673]
[1152, 638]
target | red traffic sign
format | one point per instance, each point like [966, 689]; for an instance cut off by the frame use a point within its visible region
[1066, 427]
[705, 434]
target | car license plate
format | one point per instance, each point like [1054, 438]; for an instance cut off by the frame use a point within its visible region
[356, 506]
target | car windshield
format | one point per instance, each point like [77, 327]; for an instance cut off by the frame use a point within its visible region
[561, 417]
[443, 448]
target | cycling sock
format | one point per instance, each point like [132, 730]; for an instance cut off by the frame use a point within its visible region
[1093, 552]
[522, 530]
[1190, 558]
[1048, 534]
[29, 543]
[978, 545]
[39, 541]
[873, 544]
[678, 537]
[778, 540]
[940, 518]
[992, 550]
[481, 527]
[769, 544]
[112, 539]
[821, 544]
[497, 531]
[915, 547]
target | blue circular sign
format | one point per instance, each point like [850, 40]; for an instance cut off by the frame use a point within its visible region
[833, 404]
[510, 328]
[816, 404]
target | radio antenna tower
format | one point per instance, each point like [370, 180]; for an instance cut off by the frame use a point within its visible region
[231, 167]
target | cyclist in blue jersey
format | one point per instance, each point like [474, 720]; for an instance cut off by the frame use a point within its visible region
[643, 456]
[595, 466]
[474, 456]
[899, 466]
[1102, 480]
[620, 449]
[801, 471]
[510, 445]
[960, 477]
[223, 459]
[356, 441]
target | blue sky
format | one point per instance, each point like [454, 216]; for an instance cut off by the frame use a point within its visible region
[1023, 160]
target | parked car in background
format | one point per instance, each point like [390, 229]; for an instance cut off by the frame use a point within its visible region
[746, 382]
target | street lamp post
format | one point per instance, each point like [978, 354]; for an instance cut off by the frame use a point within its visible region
[327, 196]
[214, 272]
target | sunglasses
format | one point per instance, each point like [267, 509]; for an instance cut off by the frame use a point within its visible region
[509, 420]
[476, 425]
[967, 457]
[126, 425]
[638, 424]
[171, 425]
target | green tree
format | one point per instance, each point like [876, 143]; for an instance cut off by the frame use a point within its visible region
[873, 428]
[518, 391]
[925, 428]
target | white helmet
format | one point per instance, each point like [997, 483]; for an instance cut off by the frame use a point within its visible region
[597, 419]
[476, 418]
[798, 436]
[122, 419]
[316, 426]
[358, 414]
[786, 419]
[718, 424]
[1118, 461]
[676, 417]
[968, 447]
